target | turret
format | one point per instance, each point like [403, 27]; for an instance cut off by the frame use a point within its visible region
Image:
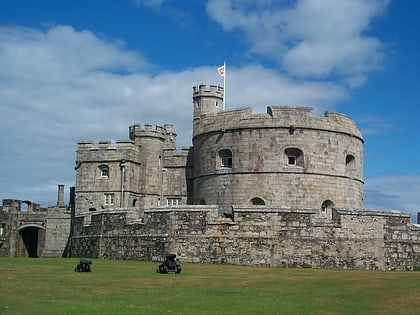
[207, 100]
[152, 142]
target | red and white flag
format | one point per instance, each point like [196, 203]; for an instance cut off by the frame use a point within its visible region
[221, 71]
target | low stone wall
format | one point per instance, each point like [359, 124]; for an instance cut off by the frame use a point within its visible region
[254, 235]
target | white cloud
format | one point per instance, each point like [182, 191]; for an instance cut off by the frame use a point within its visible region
[60, 86]
[310, 38]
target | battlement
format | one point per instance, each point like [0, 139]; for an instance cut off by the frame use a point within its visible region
[290, 111]
[212, 90]
[276, 117]
[174, 153]
[135, 131]
[104, 145]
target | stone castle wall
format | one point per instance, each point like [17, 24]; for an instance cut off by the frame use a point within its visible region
[140, 171]
[260, 236]
[331, 166]
[31, 231]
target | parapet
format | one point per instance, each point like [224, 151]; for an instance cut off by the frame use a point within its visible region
[103, 145]
[290, 111]
[277, 117]
[135, 131]
[212, 90]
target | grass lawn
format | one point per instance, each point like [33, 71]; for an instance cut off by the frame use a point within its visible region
[50, 286]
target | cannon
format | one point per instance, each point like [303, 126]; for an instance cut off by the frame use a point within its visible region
[83, 266]
[170, 264]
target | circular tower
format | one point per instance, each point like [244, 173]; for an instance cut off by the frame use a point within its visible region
[287, 157]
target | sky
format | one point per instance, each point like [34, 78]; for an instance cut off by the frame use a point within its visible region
[87, 70]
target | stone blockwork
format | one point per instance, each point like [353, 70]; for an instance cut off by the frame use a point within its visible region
[261, 236]
[287, 157]
[141, 172]
[29, 230]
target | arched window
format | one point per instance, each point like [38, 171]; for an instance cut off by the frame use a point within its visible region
[294, 157]
[327, 207]
[257, 201]
[25, 206]
[225, 158]
[104, 170]
[350, 163]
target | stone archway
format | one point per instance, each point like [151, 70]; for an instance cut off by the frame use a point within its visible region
[32, 237]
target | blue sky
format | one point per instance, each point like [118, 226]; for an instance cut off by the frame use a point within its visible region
[86, 70]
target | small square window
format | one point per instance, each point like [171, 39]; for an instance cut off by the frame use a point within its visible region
[291, 160]
[227, 161]
[109, 199]
[173, 202]
[104, 170]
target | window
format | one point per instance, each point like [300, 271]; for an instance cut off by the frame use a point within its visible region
[173, 201]
[257, 201]
[104, 170]
[2, 230]
[327, 206]
[291, 160]
[294, 157]
[350, 163]
[109, 199]
[225, 156]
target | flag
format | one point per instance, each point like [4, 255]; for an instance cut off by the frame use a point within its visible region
[221, 71]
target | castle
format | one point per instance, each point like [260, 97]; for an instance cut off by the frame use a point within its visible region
[283, 188]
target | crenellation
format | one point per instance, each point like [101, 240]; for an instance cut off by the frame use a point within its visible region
[204, 90]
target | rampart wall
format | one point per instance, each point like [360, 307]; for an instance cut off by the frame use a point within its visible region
[260, 236]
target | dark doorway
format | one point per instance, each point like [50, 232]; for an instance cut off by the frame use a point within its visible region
[30, 239]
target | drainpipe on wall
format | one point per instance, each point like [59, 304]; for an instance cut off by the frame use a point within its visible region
[122, 166]
[161, 187]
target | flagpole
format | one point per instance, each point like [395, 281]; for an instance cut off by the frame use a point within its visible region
[224, 86]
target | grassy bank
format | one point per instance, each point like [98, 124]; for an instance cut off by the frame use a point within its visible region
[50, 286]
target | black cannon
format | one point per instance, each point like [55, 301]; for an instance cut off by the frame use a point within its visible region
[83, 266]
[171, 264]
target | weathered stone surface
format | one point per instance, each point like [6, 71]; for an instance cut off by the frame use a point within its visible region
[267, 236]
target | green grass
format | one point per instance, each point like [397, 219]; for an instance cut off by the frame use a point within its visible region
[50, 286]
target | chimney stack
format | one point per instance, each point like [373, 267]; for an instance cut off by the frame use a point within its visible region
[60, 201]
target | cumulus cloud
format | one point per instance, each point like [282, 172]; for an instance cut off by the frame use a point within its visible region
[60, 85]
[308, 38]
